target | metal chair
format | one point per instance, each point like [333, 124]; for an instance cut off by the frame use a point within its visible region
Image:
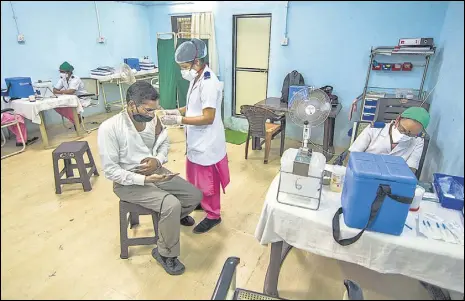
[14, 123]
[155, 83]
[259, 128]
[389, 109]
[226, 286]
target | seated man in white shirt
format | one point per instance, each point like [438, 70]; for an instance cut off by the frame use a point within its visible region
[69, 84]
[133, 147]
[398, 138]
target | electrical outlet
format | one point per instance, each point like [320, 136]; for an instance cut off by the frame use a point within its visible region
[285, 42]
[101, 40]
[21, 38]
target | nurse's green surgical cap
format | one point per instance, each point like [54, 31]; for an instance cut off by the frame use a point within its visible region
[66, 67]
[418, 114]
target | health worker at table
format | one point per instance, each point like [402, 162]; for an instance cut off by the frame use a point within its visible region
[401, 137]
[70, 84]
[207, 162]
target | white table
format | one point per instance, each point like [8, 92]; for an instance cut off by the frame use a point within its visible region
[412, 255]
[115, 78]
[34, 111]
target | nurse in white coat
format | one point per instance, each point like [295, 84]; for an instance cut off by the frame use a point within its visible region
[69, 84]
[207, 161]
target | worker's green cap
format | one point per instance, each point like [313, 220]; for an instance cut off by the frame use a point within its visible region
[418, 114]
[66, 67]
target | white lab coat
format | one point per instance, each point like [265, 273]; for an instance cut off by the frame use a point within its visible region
[74, 83]
[206, 144]
[377, 141]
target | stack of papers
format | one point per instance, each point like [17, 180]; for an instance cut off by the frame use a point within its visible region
[103, 71]
[147, 65]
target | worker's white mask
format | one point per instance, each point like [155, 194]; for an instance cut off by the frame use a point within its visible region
[63, 75]
[189, 75]
[398, 137]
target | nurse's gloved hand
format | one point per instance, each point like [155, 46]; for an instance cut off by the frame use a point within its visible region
[172, 112]
[171, 119]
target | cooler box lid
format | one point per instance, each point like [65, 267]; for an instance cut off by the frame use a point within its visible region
[381, 167]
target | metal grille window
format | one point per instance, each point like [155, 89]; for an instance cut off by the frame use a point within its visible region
[181, 23]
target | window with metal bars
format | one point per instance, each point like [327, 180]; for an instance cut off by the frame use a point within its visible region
[181, 24]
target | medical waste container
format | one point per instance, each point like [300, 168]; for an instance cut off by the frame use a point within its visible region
[19, 87]
[384, 180]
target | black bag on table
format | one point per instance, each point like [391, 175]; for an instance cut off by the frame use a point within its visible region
[292, 79]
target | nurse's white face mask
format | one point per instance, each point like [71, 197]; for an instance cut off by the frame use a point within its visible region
[63, 75]
[398, 137]
[189, 75]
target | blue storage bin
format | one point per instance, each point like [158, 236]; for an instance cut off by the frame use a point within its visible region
[371, 103]
[369, 110]
[295, 89]
[19, 87]
[133, 63]
[365, 173]
[368, 117]
[447, 202]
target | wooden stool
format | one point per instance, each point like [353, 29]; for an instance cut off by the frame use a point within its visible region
[134, 211]
[73, 150]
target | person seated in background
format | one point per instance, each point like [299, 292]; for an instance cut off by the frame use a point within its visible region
[400, 137]
[69, 84]
[8, 117]
[133, 147]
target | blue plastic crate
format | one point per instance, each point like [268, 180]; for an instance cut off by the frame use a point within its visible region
[446, 202]
[369, 110]
[372, 103]
[368, 117]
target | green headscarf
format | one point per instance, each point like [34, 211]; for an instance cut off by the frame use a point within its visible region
[66, 67]
[418, 114]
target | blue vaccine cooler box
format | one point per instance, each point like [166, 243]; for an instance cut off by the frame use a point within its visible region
[19, 87]
[377, 193]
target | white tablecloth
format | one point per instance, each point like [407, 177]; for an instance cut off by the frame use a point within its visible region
[435, 262]
[31, 110]
[117, 75]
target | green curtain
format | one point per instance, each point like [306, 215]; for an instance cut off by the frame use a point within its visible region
[167, 70]
[182, 84]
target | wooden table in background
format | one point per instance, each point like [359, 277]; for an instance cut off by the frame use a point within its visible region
[275, 104]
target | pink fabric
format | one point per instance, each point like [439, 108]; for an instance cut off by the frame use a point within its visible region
[67, 113]
[209, 179]
[7, 117]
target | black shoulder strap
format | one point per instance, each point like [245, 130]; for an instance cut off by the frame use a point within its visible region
[383, 191]
[8, 92]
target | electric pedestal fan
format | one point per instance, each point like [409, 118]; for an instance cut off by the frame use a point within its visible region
[301, 174]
